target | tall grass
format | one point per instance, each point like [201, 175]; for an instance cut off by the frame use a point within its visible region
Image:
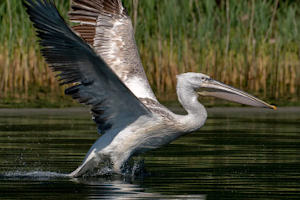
[23, 72]
[251, 44]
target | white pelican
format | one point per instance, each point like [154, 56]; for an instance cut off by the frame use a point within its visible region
[100, 59]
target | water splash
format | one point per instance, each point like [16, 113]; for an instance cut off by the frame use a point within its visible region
[132, 168]
[38, 175]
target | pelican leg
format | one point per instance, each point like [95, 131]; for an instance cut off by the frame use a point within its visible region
[96, 159]
[89, 163]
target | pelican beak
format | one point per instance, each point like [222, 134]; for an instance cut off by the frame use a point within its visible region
[217, 89]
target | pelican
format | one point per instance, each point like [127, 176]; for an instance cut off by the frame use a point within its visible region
[99, 60]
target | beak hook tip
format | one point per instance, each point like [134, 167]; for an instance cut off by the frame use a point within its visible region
[273, 107]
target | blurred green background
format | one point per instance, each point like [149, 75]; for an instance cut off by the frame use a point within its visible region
[251, 44]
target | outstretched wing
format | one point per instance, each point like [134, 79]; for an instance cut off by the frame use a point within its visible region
[106, 26]
[93, 82]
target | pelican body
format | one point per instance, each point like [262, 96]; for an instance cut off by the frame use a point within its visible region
[99, 60]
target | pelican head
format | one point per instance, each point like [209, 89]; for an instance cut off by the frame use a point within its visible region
[206, 86]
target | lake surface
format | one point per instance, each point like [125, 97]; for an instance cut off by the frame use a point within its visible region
[240, 153]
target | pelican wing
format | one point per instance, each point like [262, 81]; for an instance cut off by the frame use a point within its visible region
[106, 26]
[114, 106]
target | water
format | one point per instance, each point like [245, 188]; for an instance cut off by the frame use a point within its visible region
[240, 153]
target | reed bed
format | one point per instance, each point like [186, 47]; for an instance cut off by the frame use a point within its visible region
[253, 45]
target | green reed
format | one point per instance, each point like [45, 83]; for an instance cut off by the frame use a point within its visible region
[253, 45]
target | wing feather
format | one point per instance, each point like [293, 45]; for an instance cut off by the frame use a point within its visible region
[114, 106]
[106, 26]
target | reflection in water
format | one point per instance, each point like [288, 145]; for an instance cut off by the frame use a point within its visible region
[111, 187]
[238, 154]
[102, 188]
